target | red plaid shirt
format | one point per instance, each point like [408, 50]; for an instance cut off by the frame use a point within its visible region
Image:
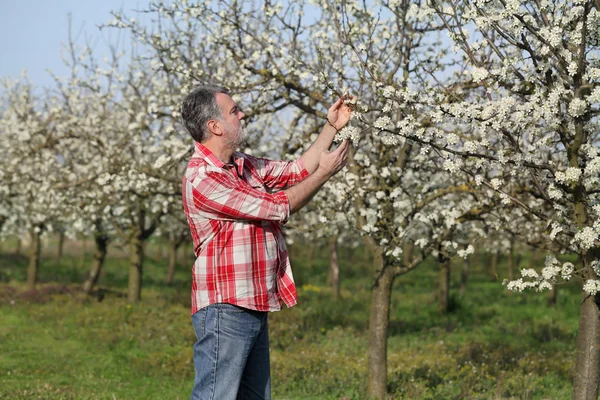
[235, 219]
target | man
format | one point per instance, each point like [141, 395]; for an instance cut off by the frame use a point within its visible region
[235, 205]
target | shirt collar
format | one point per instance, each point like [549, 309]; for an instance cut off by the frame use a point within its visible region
[208, 155]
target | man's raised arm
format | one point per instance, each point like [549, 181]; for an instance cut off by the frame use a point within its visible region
[329, 164]
[338, 116]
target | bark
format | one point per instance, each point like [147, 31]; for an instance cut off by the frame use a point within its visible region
[511, 260]
[553, 296]
[334, 267]
[136, 260]
[100, 250]
[83, 252]
[494, 264]
[379, 327]
[444, 291]
[587, 369]
[137, 242]
[34, 259]
[533, 259]
[161, 250]
[61, 244]
[173, 246]
[464, 276]
[19, 247]
[310, 257]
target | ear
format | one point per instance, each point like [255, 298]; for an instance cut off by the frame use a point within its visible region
[214, 127]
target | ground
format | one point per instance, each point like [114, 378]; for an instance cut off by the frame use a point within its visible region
[57, 343]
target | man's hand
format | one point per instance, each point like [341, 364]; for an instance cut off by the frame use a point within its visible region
[331, 163]
[339, 113]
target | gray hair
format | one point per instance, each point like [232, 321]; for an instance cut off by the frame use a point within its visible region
[199, 107]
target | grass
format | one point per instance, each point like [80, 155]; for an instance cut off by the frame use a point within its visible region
[57, 344]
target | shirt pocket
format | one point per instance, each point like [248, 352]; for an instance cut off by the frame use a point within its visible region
[254, 181]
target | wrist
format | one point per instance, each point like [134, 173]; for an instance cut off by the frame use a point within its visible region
[332, 125]
[322, 173]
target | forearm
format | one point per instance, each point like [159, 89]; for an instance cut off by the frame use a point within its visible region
[300, 194]
[323, 142]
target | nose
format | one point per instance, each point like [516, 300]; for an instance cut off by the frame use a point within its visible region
[241, 115]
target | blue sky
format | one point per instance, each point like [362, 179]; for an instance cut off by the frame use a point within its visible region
[32, 33]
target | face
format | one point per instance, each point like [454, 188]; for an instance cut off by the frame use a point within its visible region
[231, 123]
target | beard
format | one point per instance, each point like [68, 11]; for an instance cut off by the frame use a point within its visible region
[235, 136]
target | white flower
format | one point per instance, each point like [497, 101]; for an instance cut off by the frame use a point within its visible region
[348, 133]
[544, 285]
[554, 193]
[452, 138]
[577, 107]
[567, 270]
[470, 147]
[556, 229]
[421, 242]
[591, 287]
[496, 183]
[479, 74]
[586, 237]
[572, 174]
[367, 228]
[382, 122]
[388, 91]
[161, 161]
[596, 266]
[464, 253]
[515, 286]
[529, 273]
[550, 273]
[453, 166]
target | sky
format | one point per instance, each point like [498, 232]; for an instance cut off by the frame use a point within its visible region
[33, 32]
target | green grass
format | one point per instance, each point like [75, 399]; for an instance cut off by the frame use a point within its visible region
[57, 344]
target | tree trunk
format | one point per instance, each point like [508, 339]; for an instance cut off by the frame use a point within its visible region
[34, 258]
[511, 260]
[334, 267]
[444, 293]
[97, 262]
[61, 244]
[136, 259]
[19, 247]
[464, 276]
[83, 252]
[533, 258]
[173, 246]
[553, 296]
[161, 248]
[483, 262]
[378, 327]
[310, 257]
[494, 264]
[587, 369]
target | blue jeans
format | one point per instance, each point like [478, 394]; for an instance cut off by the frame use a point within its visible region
[231, 355]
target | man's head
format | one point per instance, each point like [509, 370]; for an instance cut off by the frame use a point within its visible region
[208, 111]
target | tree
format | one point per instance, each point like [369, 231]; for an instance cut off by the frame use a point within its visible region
[33, 138]
[526, 102]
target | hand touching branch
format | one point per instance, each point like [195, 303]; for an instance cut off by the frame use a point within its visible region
[339, 113]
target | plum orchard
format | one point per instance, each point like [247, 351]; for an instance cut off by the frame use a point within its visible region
[395, 192]
[501, 130]
[473, 121]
